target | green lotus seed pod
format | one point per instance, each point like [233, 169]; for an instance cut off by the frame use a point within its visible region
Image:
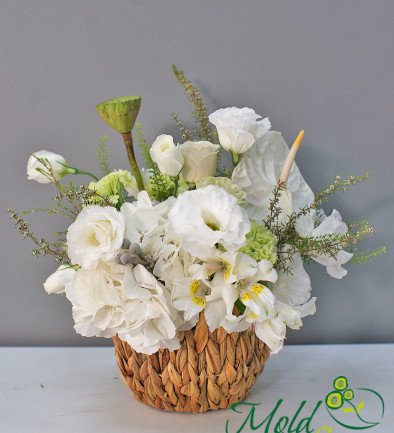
[348, 395]
[120, 113]
[334, 400]
[340, 383]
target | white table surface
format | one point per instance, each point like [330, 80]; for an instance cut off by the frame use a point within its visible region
[80, 390]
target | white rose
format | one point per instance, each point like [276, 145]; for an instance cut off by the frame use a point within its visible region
[96, 234]
[57, 282]
[238, 128]
[166, 155]
[97, 297]
[200, 158]
[35, 168]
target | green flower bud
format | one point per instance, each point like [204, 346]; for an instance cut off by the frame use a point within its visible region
[340, 383]
[120, 113]
[348, 395]
[334, 400]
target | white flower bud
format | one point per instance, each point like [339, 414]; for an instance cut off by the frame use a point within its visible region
[35, 167]
[166, 155]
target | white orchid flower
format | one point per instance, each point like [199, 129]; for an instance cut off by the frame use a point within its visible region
[190, 293]
[272, 332]
[332, 224]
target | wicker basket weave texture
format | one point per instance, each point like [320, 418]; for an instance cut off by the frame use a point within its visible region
[210, 371]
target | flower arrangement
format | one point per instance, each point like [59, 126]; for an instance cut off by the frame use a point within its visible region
[149, 251]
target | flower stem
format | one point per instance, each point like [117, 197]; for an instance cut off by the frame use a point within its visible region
[235, 158]
[128, 141]
[175, 179]
[87, 173]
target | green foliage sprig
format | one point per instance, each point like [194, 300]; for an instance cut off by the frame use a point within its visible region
[102, 155]
[56, 249]
[362, 257]
[68, 201]
[200, 113]
[291, 243]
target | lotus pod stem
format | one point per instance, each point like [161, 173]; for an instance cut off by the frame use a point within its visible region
[128, 141]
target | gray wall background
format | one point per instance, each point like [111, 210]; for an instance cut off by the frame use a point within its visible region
[326, 67]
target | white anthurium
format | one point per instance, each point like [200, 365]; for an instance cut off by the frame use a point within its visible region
[167, 155]
[200, 159]
[38, 171]
[189, 294]
[96, 234]
[332, 224]
[97, 297]
[149, 315]
[57, 282]
[238, 128]
[258, 173]
[206, 217]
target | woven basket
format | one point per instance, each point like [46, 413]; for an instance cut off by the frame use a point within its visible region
[210, 371]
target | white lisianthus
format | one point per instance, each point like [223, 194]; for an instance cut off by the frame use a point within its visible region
[200, 159]
[330, 225]
[206, 217]
[57, 282]
[96, 234]
[149, 315]
[166, 155]
[258, 173]
[37, 171]
[238, 128]
[97, 297]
